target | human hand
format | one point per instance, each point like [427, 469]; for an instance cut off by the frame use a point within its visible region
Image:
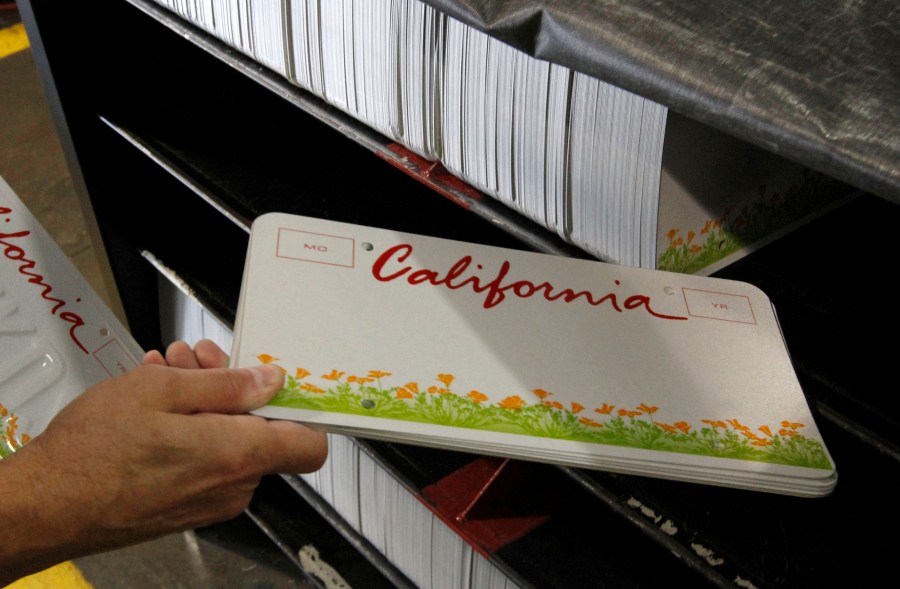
[163, 448]
[206, 354]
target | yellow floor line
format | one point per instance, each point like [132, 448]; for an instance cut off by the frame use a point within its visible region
[62, 576]
[13, 39]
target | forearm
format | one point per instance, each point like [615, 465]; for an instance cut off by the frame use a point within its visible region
[38, 528]
[152, 452]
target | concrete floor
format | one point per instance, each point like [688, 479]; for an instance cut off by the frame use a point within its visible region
[233, 554]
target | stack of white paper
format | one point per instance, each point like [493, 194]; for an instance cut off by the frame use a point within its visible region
[415, 339]
[577, 155]
[609, 171]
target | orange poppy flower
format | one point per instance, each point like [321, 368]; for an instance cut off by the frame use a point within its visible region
[647, 408]
[513, 402]
[477, 397]
[378, 374]
[266, 358]
[737, 424]
[684, 426]
[333, 375]
[792, 424]
[445, 378]
[605, 409]
[408, 391]
[301, 373]
[577, 407]
[715, 423]
[541, 393]
[665, 426]
[589, 422]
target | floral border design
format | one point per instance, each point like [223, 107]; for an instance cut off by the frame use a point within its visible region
[736, 228]
[635, 427]
[11, 440]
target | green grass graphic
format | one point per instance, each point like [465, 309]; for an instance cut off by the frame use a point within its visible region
[628, 427]
[736, 228]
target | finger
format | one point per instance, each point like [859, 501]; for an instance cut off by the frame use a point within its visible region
[216, 390]
[180, 355]
[287, 447]
[154, 357]
[210, 355]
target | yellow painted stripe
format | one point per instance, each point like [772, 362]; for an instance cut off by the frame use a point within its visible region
[13, 39]
[61, 576]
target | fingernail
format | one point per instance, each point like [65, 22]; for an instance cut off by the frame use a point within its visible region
[267, 375]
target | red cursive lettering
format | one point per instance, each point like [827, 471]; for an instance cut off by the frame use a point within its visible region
[495, 290]
[27, 267]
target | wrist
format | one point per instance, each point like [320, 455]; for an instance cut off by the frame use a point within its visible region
[40, 527]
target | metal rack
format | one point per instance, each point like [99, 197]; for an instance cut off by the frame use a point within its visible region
[158, 115]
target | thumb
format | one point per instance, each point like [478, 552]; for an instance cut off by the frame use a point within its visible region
[213, 390]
